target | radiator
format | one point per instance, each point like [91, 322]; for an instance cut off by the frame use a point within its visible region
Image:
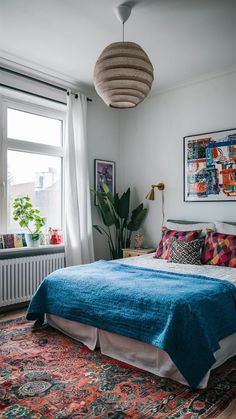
[20, 277]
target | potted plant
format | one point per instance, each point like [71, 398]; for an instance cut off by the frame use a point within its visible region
[30, 218]
[118, 223]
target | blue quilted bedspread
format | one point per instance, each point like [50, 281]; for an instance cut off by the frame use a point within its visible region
[185, 315]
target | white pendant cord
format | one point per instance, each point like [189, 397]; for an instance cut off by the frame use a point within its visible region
[123, 13]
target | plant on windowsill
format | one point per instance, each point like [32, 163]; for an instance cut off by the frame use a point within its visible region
[119, 224]
[29, 218]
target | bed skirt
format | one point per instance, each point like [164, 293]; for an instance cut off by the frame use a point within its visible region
[134, 352]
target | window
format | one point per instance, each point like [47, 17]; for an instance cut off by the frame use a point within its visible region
[32, 161]
[35, 128]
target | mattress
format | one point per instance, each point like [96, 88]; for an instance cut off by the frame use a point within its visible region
[140, 354]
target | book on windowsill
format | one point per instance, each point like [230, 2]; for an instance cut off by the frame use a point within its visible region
[8, 240]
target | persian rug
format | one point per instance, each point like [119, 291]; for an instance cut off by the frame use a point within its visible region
[45, 374]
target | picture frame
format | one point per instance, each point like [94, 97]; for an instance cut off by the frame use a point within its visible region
[104, 172]
[210, 166]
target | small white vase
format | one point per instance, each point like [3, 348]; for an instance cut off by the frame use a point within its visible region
[30, 242]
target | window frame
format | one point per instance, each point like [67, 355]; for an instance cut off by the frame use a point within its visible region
[7, 143]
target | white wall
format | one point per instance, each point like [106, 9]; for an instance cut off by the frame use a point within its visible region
[103, 143]
[151, 147]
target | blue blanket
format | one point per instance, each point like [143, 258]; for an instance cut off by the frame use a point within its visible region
[185, 315]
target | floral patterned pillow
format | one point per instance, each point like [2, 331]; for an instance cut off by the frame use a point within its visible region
[219, 249]
[162, 251]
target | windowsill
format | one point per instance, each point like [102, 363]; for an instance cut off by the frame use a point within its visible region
[31, 251]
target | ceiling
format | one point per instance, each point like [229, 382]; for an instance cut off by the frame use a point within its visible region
[185, 39]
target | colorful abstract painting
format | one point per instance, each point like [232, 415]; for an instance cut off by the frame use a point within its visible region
[210, 166]
[104, 172]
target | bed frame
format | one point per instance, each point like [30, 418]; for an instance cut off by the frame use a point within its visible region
[135, 352]
[198, 222]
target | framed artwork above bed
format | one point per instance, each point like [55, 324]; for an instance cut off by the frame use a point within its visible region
[210, 166]
[104, 172]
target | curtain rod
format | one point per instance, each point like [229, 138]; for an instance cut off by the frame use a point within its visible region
[32, 94]
[39, 81]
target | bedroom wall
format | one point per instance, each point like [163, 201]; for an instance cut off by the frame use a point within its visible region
[103, 143]
[151, 147]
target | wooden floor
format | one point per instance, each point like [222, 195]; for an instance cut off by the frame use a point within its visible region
[229, 413]
[12, 315]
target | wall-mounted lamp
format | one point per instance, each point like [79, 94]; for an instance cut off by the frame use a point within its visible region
[151, 196]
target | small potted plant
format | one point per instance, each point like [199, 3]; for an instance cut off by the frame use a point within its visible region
[30, 218]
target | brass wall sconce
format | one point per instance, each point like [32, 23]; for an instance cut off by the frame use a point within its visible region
[151, 196]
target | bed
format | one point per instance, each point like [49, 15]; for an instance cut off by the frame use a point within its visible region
[129, 348]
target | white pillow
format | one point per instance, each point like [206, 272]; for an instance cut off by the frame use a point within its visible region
[225, 228]
[189, 227]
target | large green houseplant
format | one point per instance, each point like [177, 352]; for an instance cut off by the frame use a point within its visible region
[29, 218]
[118, 223]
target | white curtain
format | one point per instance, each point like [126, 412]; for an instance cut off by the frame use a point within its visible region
[77, 205]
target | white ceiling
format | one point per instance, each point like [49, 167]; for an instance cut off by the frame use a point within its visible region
[185, 39]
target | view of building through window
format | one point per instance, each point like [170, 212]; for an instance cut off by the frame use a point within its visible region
[39, 177]
[34, 156]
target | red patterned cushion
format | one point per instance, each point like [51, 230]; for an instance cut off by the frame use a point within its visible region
[162, 251]
[219, 249]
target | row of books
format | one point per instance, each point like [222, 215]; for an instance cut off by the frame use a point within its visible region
[9, 241]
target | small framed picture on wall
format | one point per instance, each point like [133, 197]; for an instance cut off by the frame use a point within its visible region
[104, 172]
[210, 166]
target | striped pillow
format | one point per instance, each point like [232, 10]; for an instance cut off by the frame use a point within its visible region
[219, 249]
[186, 252]
[162, 251]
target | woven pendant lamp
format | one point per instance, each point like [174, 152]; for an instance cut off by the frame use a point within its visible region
[123, 73]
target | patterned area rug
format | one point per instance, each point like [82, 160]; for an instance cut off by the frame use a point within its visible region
[45, 374]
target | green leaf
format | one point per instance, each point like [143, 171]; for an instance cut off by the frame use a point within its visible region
[137, 218]
[35, 236]
[136, 211]
[122, 204]
[106, 190]
[106, 213]
[109, 199]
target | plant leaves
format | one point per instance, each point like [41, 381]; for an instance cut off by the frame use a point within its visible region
[137, 217]
[106, 213]
[115, 214]
[107, 192]
[122, 204]
[26, 215]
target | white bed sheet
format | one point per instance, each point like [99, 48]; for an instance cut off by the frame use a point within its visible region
[148, 261]
[140, 354]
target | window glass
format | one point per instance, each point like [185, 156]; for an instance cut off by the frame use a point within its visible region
[39, 177]
[35, 128]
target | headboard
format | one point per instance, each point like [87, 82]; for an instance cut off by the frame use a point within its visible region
[197, 222]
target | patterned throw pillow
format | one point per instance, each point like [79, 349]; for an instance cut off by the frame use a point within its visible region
[162, 251]
[219, 249]
[185, 252]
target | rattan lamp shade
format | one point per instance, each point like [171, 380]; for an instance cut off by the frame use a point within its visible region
[123, 75]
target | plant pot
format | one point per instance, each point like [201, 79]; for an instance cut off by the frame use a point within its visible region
[32, 242]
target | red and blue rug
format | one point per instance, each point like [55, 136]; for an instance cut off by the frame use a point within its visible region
[45, 374]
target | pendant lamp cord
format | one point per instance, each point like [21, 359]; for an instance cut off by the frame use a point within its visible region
[123, 31]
